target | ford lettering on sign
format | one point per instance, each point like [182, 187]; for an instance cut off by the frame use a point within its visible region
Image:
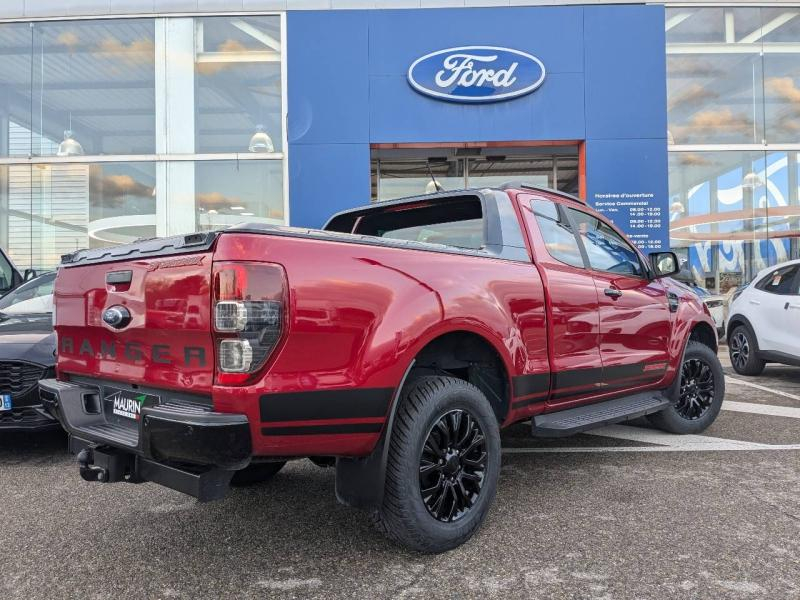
[476, 74]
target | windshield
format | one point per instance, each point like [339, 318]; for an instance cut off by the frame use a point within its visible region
[33, 297]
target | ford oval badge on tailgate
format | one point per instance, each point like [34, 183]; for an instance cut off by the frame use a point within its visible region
[476, 74]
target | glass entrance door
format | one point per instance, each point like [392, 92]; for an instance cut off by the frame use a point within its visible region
[399, 172]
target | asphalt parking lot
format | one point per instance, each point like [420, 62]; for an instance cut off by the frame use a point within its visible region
[625, 512]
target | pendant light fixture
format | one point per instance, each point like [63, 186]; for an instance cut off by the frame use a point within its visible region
[261, 142]
[69, 145]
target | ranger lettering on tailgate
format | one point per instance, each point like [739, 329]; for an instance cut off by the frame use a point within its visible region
[134, 352]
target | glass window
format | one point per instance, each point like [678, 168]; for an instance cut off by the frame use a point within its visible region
[733, 75]
[93, 88]
[52, 209]
[783, 282]
[606, 249]
[494, 171]
[456, 223]
[6, 274]
[557, 233]
[15, 81]
[782, 94]
[733, 214]
[408, 177]
[238, 84]
[229, 192]
[33, 297]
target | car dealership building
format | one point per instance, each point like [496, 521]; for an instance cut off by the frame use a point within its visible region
[123, 119]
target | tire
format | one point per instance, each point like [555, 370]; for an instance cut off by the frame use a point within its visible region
[742, 348]
[698, 393]
[256, 473]
[435, 413]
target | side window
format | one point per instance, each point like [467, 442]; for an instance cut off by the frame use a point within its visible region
[781, 281]
[557, 234]
[606, 249]
[6, 274]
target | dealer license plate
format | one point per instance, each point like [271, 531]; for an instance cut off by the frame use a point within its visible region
[125, 406]
[5, 402]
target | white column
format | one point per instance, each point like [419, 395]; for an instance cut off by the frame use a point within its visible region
[174, 88]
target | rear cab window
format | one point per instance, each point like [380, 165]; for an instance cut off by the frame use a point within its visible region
[459, 224]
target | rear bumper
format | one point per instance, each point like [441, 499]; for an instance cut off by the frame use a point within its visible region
[167, 437]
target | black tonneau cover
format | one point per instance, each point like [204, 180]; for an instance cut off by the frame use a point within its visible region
[179, 244]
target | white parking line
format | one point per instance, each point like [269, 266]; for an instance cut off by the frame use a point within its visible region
[652, 436]
[732, 446]
[763, 388]
[762, 409]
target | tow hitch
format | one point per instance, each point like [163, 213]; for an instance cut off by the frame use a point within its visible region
[106, 465]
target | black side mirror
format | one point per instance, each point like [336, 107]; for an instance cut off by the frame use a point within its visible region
[664, 264]
[29, 274]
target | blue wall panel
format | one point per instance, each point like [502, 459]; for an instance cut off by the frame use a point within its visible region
[327, 61]
[626, 79]
[326, 178]
[347, 89]
[626, 180]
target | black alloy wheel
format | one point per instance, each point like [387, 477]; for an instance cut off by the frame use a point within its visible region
[697, 392]
[739, 349]
[697, 389]
[452, 466]
[442, 466]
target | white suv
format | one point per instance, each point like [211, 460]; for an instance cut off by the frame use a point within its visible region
[764, 321]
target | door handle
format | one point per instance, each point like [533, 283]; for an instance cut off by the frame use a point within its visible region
[612, 293]
[756, 302]
[792, 305]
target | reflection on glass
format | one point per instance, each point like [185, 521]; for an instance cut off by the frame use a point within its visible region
[55, 209]
[92, 88]
[396, 178]
[238, 84]
[231, 192]
[400, 178]
[733, 75]
[733, 213]
[715, 98]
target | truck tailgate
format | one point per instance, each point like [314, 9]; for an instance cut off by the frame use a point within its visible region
[161, 291]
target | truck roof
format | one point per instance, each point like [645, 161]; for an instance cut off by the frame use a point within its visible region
[511, 186]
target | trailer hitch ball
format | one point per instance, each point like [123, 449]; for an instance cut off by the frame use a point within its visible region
[88, 471]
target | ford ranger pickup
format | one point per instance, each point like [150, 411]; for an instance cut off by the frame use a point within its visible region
[394, 344]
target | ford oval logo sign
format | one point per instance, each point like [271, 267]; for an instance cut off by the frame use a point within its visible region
[476, 74]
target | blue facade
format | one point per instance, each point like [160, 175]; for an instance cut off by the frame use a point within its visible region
[605, 84]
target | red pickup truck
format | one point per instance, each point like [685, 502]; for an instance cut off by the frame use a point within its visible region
[393, 344]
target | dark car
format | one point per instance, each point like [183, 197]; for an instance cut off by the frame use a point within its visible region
[27, 354]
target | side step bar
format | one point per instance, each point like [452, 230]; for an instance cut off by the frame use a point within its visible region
[575, 420]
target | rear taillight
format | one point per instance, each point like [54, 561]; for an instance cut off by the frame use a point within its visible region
[250, 301]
